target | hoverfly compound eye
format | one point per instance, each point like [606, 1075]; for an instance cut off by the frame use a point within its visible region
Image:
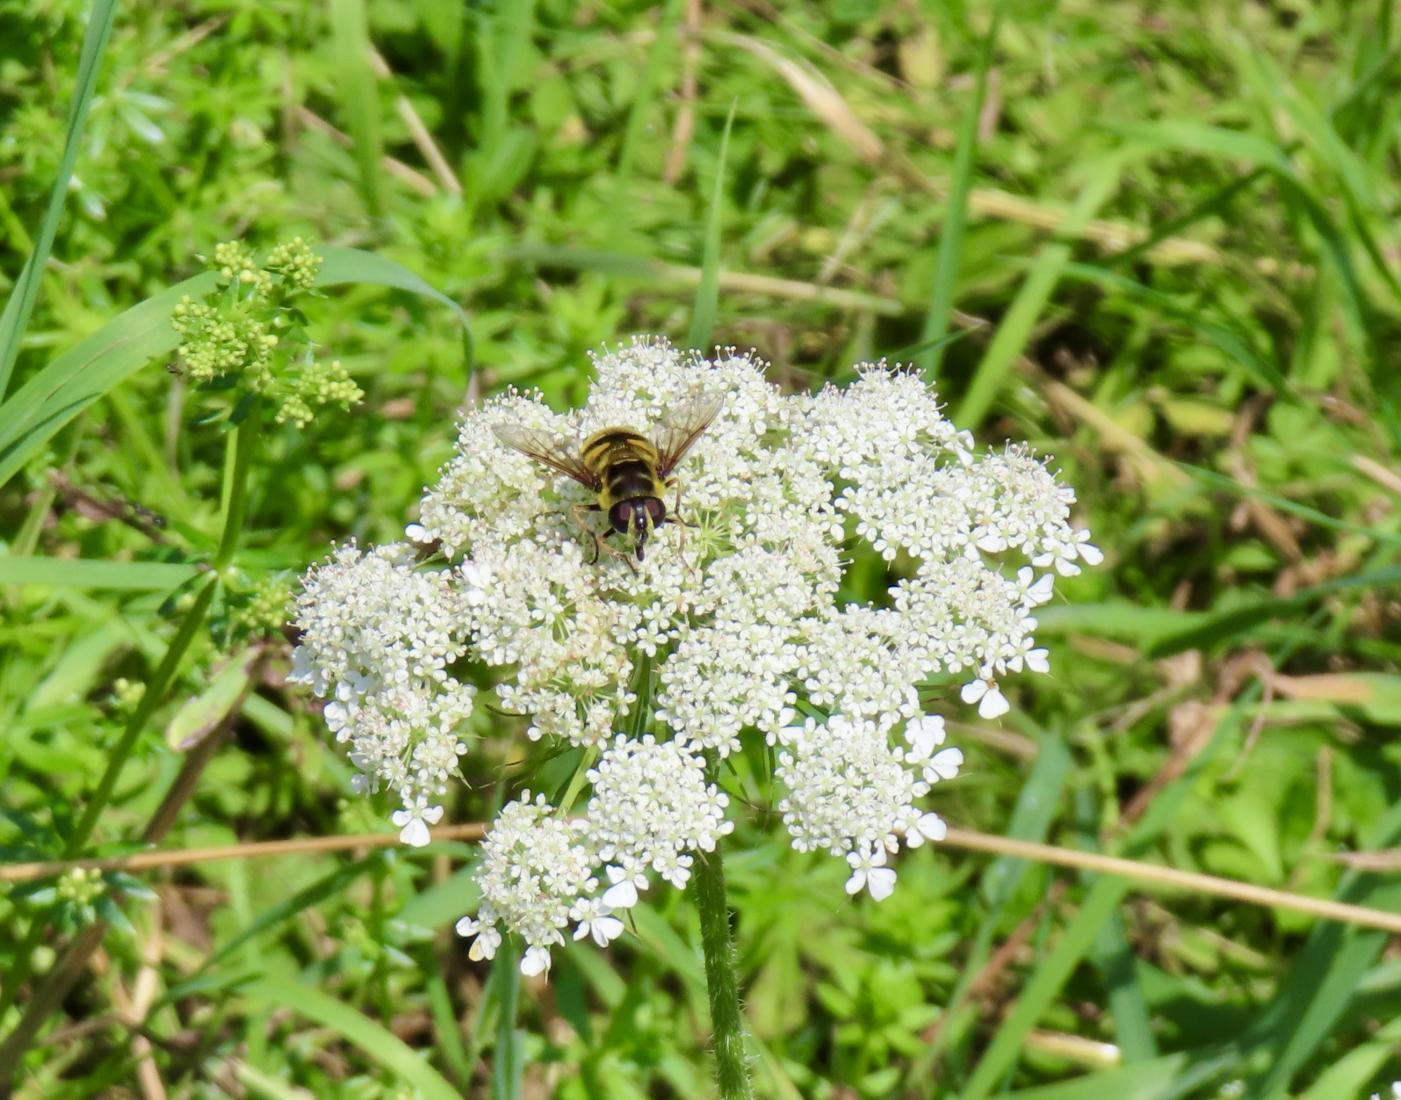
[620, 517]
[656, 510]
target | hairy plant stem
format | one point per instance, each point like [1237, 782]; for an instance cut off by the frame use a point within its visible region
[238, 462]
[726, 1021]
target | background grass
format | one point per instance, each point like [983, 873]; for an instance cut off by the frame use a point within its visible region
[1164, 237]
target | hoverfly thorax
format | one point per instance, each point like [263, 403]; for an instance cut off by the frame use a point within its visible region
[629, 472]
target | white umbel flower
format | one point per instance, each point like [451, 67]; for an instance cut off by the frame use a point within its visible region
[651, 805]
[535, 868]
[377, 638]
[735, 623]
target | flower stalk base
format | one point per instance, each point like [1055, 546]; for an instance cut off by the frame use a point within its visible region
[708, 885]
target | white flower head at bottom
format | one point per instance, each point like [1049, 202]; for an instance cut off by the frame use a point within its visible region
[868, 871]
[535, 869]
[991, 702]
[596, 919]
[651, 805]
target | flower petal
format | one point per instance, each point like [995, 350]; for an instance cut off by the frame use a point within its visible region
[415, 833]
[622, 895]
[536, 961]
[881, 882]
[994, 704]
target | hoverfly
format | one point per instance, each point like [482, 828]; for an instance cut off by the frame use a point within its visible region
[628, 471]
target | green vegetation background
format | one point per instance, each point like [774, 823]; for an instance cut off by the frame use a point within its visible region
[1169, 232]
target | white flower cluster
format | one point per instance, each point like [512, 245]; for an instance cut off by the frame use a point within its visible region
[741, 623]
[377, 639]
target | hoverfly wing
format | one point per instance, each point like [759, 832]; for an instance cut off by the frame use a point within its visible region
[681, 427]
[553, 452]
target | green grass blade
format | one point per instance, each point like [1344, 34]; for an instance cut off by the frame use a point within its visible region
[508, 1062]
[1032, 815]
[387, 1049]
[78, 377]
[20, 306]
[1165, 1078]
[1044, 985]
[1099, 904]
[1133, 1030]
[358, 88]
[1325, 976]
[936, 321]
[708, 293]
[327, 886]
[445, 1025]
[154, 576]
[1031, 298]
[1354, 1071]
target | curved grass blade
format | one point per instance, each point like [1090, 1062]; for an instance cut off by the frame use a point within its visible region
[384, 1047]
[78, 377]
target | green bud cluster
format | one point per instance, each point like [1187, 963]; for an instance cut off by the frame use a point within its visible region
[215, 342]
[295, 263]
[80, 886]
[319, 384]
[266, 611]
[126, 694]
[248, 334]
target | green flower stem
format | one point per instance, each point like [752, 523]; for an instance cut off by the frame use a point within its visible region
[243, 444]
[726, 1021]
[238, 461]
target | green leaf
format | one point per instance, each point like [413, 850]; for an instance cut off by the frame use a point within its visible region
[156, 576]
[1015, 327]
[202, 713]
[15, 319]
[387, 1049]
[358, 94]
[73, 381]
[341, 266]
[708, 293]
[936, 320]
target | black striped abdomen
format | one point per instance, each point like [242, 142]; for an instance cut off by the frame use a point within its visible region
[628, 478]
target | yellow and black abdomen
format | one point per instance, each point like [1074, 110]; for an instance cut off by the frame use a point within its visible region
[629, 487]
[625, 463]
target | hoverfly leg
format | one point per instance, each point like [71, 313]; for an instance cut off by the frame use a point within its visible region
[615, 552]
[578, 511]
[681, 524]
